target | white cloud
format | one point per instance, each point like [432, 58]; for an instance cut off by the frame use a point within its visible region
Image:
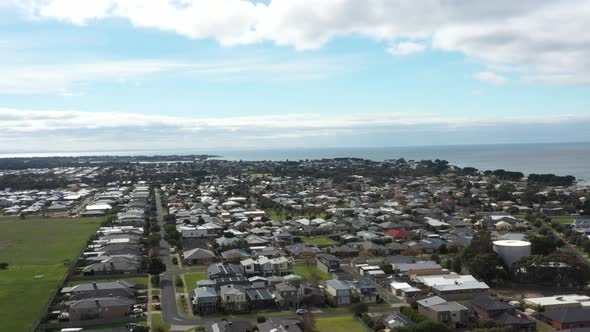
[490, 77]
[43, 130]
[57, 78]
[406, 48]
[548, 37]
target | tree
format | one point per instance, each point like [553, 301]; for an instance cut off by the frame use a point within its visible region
[153, 240]
[308, 257]
[481, 260]
[457, 265]
[359, 308]
[178, 282]
[308, 322]
[156, 266]
[542, 245]
[430, 326]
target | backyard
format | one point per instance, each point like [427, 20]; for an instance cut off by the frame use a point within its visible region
[308, 273]
[192, 278]
[39, 252]
[319, 241]
[338, 324]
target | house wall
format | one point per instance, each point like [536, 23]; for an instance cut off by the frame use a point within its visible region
[98, 312]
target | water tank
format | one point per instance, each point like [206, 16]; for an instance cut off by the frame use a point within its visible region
[512, 250]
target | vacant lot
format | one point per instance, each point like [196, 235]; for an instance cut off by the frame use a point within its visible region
[338, 324]
[311, 272]
[319, 241]
[192, 279]
[42, 247]
[563, 220]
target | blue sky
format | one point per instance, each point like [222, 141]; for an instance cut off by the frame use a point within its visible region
[128, 74]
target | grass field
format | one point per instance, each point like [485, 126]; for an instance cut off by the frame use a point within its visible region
[157, 322]
[308, 272]
[138, 280]
[338, 324]
[32, 247]
[563, 220]
[319, 241]
[192, 278]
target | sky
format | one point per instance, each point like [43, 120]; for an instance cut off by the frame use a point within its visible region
[111, 75]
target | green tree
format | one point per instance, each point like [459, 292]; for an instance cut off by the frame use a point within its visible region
[359, 308]
[156, 266]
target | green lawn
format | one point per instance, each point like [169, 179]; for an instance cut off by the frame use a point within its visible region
[157, 322]
[563, 220]
[338, 324]
[138, 280]
[319, 241]
[32, 247]
[307, 272]
[192, 278]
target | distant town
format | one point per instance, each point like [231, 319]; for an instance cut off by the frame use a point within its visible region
[198, 243]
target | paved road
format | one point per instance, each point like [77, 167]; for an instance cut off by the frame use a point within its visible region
[167, 290]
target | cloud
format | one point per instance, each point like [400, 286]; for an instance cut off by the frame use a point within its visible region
[490, 77]
[57, 78]
[42, 130]
[406, 48]
[499, 33]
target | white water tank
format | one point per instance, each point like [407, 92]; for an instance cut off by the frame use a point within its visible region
[512, 250]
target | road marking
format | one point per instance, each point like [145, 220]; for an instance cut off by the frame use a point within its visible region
[177, 319]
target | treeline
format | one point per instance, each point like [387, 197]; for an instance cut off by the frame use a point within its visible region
[32, 181]
[552, 179]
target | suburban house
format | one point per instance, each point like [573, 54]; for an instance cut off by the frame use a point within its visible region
[502, 313]
[454, 287]
[406, 270]
[404, 289]
[328, 263]
[281, 325]
[263, 266]
[568, 318]
[217, 271]
[364, 291]
[311, 295]
[394, 320]
[439, 309]
[260, 298]
[99, 289]
[286, 295]
[559, 301]
[204, 300]
[233, 299]
[198, 256]
[114, 265]
[99, 308]
[338, 292]
[229, 326]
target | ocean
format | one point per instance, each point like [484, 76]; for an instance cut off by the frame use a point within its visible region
[557, 158]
